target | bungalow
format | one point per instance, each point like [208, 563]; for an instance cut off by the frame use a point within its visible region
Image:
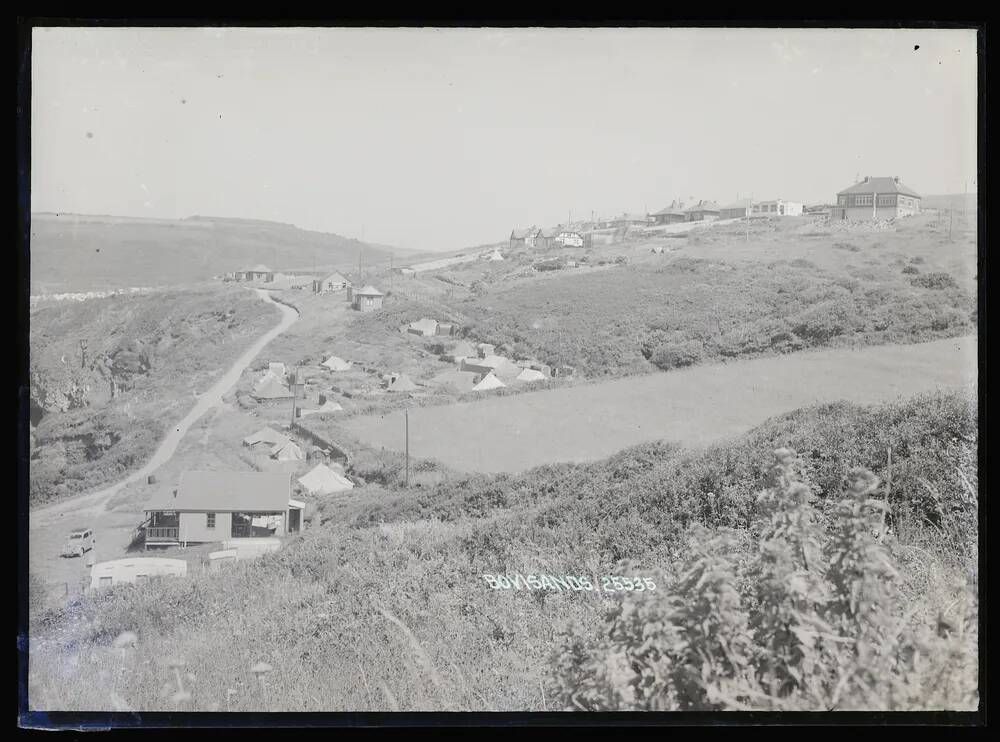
[876, 198]
[257, 273]
[670, 214]
[210, 506]
[630, 220]
[573, 238]
[547, 237]
[779, 207]
[702, 211]
[367, 299]
[333, 282]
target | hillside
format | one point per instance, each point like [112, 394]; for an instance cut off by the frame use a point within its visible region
[72, 253]
[100, 415]
[384, 605]
[957, 201]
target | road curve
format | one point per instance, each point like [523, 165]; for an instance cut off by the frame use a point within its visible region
[208, 400]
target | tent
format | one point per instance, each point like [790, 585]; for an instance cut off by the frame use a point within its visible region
[287, 450]
[488, 382]
[402, 383]
[265, 435]
[496, 256]
[530, 374]
[322, 480]
[335, 363]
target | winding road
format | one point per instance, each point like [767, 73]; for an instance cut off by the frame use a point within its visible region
[94, 501]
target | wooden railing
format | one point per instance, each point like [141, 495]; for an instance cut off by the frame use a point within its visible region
[162, 533]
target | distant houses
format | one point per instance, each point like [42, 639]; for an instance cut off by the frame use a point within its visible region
[748, 208]
[524, 237]
[701, 211]
[876, 198]
[739, 209]
[672, 214]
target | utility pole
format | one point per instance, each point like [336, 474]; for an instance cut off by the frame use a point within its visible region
[295, 385]
[407, 418]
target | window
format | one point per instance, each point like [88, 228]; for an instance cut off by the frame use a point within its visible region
[863, 200]
[210, 520]
[887, 200]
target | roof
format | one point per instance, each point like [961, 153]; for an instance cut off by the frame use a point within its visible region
[741, 204]
[630, 218]
[334, 278]
[323, 480]
[674, 208]
[226, 491]
[287, 450]
[265, 435]
[328, 406]
[703, 206]
[271, 389]
[550, 231]
[368, 290]
[258, 269]
[520, 234]
[880, 185]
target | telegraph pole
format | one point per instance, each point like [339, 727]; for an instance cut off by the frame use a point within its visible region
[407, 419]
[295, 391]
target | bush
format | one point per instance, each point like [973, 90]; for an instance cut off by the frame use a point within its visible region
[677, 355]
[826, 320]
[938, 280]
[910, 270]
[801, 613]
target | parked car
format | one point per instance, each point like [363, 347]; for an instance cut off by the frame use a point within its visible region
[79, 541]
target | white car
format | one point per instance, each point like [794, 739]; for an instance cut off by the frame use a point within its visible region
[79, 541]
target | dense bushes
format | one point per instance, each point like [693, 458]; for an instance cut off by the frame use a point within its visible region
[802, 613]
[616, 321]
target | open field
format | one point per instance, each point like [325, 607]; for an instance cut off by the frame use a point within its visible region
[696, 405]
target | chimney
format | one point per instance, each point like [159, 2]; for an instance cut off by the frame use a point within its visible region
[175, 493]
[867, 178]
[895, 179]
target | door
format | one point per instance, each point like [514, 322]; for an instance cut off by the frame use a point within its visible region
[294, 517]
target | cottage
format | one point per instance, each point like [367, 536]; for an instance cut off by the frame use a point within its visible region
[271, 390]
[671, 214]
[491, 364]
[573, 238]
[445, 328]
[702, 211]
[876, 198]
[524, 237]
[333, 282]
[367, 299]
[547, 237]
[210, 506]
[484, 350]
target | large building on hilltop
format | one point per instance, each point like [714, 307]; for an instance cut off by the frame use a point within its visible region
[876, 198]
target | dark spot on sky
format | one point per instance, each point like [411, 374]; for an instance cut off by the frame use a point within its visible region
[90, 135]
[183, 100]
[97, 249]
[916, 46]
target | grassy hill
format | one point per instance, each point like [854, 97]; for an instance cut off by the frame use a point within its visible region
[384, 606]
[73, 253]
[956, 201]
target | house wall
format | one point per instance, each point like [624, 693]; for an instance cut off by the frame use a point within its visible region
[864, 213]
[733, 213]
[192, 527]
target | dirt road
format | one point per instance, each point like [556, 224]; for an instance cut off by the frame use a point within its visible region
[48, 525]
[696, 406]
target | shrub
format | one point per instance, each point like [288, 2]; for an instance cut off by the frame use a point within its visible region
[910, 270]
[800, 613]
[677, 355]
[937, 280]
[826, 320]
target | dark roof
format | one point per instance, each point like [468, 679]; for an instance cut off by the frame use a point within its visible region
[674, 208]
[520, 234]
[880, 185]
[703, 206]
[741, 204]
[226, 491]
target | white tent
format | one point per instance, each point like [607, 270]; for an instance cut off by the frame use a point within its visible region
[488, 382]
[265, 435]
[530, 374]
[287, 451]
[402, 383]
[335, 363]
[322, 480]
[495, 256]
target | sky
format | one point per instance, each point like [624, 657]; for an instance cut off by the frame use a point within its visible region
[439, 139]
